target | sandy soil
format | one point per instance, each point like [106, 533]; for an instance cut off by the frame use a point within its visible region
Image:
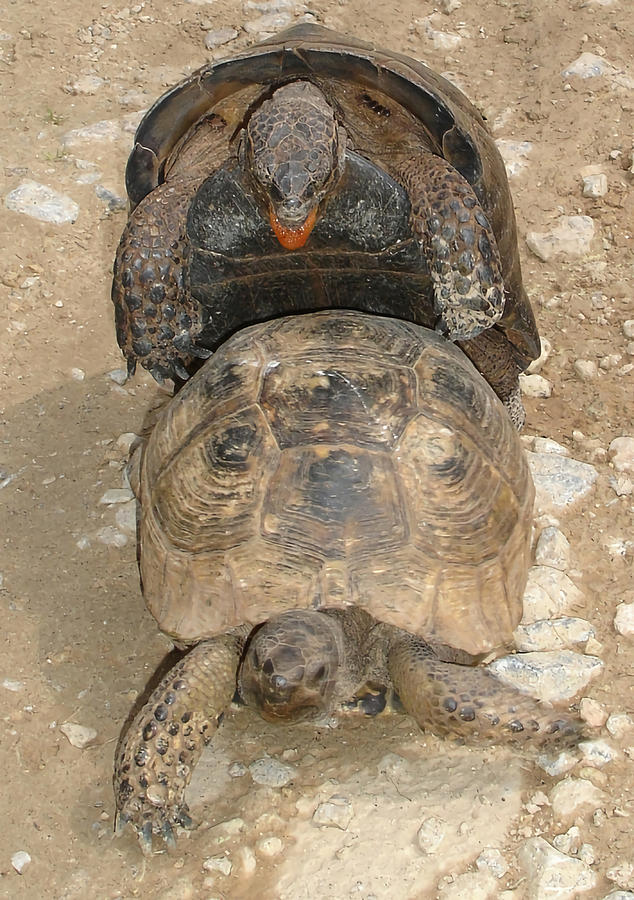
[77, 643]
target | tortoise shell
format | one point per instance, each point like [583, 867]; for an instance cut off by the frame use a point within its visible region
[391, 106]
[333, 459]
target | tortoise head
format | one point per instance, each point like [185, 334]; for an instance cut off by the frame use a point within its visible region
[290, 667]
[294, 150]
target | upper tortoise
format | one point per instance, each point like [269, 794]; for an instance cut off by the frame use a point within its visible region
[314, 171]
[335, 507]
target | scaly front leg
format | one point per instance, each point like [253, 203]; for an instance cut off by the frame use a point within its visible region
[157, 754]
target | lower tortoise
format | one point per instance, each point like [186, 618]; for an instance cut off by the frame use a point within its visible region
[334, 508]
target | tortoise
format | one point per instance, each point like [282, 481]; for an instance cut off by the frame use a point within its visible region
[335, 509]
[314, 171]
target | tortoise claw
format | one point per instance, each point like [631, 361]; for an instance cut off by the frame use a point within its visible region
[120, 822]
[180, 370]
[145, 839]
[157, 374]
[167, 834]
[184, 819]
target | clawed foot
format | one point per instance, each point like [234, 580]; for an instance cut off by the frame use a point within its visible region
[174, 361]
[148, 820]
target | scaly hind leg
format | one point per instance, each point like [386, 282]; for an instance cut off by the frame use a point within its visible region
[459, 244]
[158, 752]
[465, 701]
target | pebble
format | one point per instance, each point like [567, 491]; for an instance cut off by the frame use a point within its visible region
[119, 376]
[553, 549]
[585, 369]
[619, 724]
[560, 482]
[622, 874]
[14, 686]
[268, 22]
[553, 874]
[269, 846]
[595, 185]
[597, 753]
[219, 36]
[621, 485]
[538, 364]
[126, 517]
[549, 592]
[492, 860]
[271, 772]
[621, 453]
[117, 495]
[535, 386]
[111, 537]
[570, 842]
[557, 764]
[628, 328]
[336, 812]
[440, 40]
[469, 886]
[248, 862]
[588, 65]
[86, 84]
[126, 442]
[77, 374]
[237, 770]
[572, 796]
[552, 675]
[624, 619]
[552, 634]
[571, 236]
[115, 202]
[592, 712]
[105, 130]
[547, 445]
[20, 861]
[80, 736]
[515, 155]
[43, 203]
[218, 864]
[431, 834]
[619, 895]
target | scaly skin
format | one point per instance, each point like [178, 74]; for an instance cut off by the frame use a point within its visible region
[157, 754]
[459, 244]
[469, 702]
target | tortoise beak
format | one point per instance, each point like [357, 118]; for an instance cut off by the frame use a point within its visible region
[293, 238]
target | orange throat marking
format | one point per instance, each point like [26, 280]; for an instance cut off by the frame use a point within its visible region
[292, 238]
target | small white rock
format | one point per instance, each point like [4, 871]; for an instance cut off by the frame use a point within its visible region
[553, 874]
[557, 764]
[592, 712]
[218, 864]
[111, 537]
[20, 861]
[547, 445]
[595, 185]
[269, 846]
[119, 376]
[126, 516]
[570, 842]
[552, 675]
[86, 84]
[621, 453]
[480, 885]
[619, 725]
[597, 753]
[126, 441]
[271, 772]
[492, 860]
[117, 495]
[628, 328]
[219, 36]
[336, 812]
[248, 862]
[535, 386]
[571, 236]
[431, 834]
[586, 369]
[553, 549]
[515, 155]
[549, 593]
[622, 874]
[77, 374]
[553, 634]
[270, 22]
[13, 686]
[560, 482]
[624, 619]
[80, 736]
[237, 770]
[575, 796]
[41, 202]
[588, 65]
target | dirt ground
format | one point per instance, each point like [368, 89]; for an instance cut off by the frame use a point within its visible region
[77, 643]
